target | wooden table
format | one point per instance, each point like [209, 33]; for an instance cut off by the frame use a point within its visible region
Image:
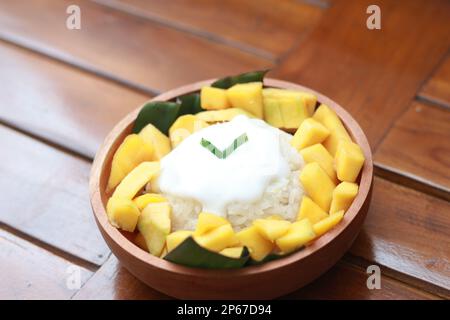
[62, 90]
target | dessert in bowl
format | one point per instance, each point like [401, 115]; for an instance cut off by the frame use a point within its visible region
[242, 187]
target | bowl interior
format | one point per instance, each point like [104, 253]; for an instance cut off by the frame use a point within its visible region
[102, 165]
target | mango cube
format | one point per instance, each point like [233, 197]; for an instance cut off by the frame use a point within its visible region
[271, 229]
[214, 98]
[207, 222]
[300, 233]
[309, 99]
[235, 252]
[329, 119]
[176, 238]
[143, 200]
[272, 113]
[132, 151]
[136, 180]
[154, 224]
[349, 160]
[258, 245]
[161, 143]
[328, 223]
[293, 111]
[343, 196]
[183, 127]
[318, 153]
[163, 252]
[218, 239]
[310, 132]
[214, 116]
[310, 210]
[122, 213]
[318, 185]
[247, 96]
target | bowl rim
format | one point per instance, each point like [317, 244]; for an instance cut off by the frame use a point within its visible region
[99, 210]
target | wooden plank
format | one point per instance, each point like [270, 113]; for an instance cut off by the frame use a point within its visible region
[345, 281]
[418, 146]
[437, 88]
[407, 231]
[269, 26]
[59, 103]
[129, 49]
[45, 195]
[112, 281]
[29, 272]
[374, 74]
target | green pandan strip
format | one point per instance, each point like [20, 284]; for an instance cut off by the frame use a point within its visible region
[228, 82]
[191, 254]
[190, 104]
[223, 154]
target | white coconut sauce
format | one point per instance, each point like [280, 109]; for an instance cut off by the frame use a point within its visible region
[194, 172]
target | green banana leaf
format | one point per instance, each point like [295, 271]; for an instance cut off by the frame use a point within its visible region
[190, 254]
[190, 104]
[160, 114]
[230, 81]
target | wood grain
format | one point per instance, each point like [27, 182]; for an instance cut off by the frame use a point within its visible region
[418, 146]
[345, 282]
[408, 232]
[114, 282]
[45, 195]
[29, 272]
[131, 50]
[437, 88]
[59, 103]
[267, 27]
[374, 74]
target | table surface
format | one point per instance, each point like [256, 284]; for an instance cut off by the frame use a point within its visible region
[62, 90]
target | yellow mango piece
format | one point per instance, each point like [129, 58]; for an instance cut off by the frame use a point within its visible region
[214, 98]
[130, 153]
[214, 116]
[235, 252]
[258, 245]
[183, 127]
[329, 119]
[177, 237]
[309, 99]
[247, 96]
[328, 223]
[310, 132]
[143, 200]
[317, 184]
[139, 240]
[122, 213]
[154, 224]
[217, 239]
[293, 112]
[349, 160]
[207, 222]
[310, 210]
[136, 180]
[160, 142]
[318, 153]
[300, 233]
[271, 229]
[272, 112]
[343, 196]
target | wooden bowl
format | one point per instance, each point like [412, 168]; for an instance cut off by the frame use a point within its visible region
[265, 281]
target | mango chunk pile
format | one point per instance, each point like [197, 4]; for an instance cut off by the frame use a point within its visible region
[333, 162]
